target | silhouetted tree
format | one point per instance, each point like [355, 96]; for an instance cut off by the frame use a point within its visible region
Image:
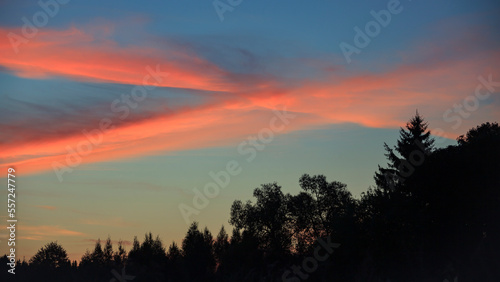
[268, 219]
[197, 250]
[221, 244]
[120, 255]
[323, 209]
[175, 265]
[51, 262]
[52, 256]
[393, 208]
[174, 253]
[486, 132]
[97, 255]
[86, 258]
[461, 195]
[108, 253]
[441, 221]
[148, 261]
[93, 265]
[413, 145]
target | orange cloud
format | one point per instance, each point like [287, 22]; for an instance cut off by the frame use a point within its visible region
[43, 232]
[374, 100]
[203, 128]
[73, 53]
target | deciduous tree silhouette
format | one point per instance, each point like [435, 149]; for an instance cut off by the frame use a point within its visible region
[460, 187]
[486, 132]
[52, 256]
[50, 261]
[268, 219]
[323, 209]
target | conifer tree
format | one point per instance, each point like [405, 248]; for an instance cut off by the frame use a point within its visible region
[413, 145]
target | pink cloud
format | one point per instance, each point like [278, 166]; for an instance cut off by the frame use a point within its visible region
[385, 99]
[73, 53]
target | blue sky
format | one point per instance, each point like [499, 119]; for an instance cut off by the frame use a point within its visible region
[207, 86]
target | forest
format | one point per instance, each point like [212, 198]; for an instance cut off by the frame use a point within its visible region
[432, 215]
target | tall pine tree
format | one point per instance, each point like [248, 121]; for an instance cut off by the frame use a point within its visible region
[413, 145]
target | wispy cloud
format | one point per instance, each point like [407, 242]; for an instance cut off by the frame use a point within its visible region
[432, 74]
[75, 54]
[44, 232]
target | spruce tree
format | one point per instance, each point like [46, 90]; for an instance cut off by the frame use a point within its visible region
[413, 145]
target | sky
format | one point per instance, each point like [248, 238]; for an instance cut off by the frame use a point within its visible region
[125, 117]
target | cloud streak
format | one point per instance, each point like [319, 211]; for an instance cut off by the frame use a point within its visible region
[75, 54]
[44, 232]
[228, 105]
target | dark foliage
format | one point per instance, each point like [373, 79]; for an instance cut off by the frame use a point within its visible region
[434, 215]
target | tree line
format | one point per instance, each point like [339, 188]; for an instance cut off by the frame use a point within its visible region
[433, 215]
